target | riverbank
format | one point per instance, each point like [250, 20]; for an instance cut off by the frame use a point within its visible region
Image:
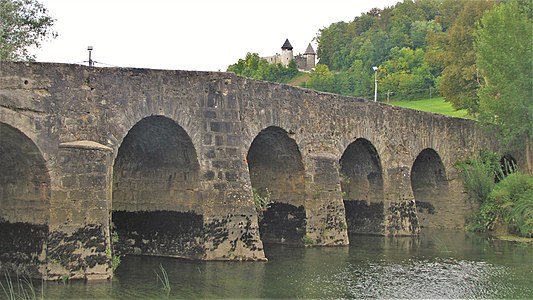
[513, 238]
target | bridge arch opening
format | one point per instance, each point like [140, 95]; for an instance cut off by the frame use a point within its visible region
[277, 176]
[508, 166]
[430, 188]
[24, 204]
[362, 188]
[155, 205]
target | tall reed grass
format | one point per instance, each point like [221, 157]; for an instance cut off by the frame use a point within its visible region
[163, 279]
[21, 289]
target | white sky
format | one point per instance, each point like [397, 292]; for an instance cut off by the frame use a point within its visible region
[204, 35]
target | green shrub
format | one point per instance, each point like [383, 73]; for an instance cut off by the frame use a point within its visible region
[485, 218]
[261, 199]
[115, 262]
[523, 213]
[478, 175]
[317, 193]
[514, 198]
[308, 241]
[115, 259]
[508, 202]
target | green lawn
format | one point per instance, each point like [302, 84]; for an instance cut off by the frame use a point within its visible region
[298, 80]
[434, 105]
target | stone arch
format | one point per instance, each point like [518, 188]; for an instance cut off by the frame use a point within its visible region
[362, 187]
[155, 200]
[430, 188]
[277, 173]
[24, 204]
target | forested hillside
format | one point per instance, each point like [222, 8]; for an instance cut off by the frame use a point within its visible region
[422, 48]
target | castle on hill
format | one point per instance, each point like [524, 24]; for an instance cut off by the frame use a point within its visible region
[305, 62]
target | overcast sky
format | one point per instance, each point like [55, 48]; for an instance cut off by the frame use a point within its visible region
[204, 35]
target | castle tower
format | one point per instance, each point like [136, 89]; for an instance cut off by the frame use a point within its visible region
[310, 56]
[286, 53]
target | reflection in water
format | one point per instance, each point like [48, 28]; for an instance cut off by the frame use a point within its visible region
[437, 264]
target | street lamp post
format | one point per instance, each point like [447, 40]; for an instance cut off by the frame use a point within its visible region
[375, 84]
[91, 62]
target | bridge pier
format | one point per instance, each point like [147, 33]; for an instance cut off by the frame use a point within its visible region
[233, 236]
[326, 217]
[79, 241]
[401, 217]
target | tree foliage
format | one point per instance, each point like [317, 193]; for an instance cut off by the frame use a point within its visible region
[24, 24]
[421, 47]
[504, 53]
[439, 31]
[256, 67]
[406, 73]
[382, 37]
[460, 79]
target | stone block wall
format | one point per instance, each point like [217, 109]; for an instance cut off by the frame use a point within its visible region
[79, 240]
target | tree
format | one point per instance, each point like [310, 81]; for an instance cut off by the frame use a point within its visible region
[460, 80]
[504, 55]
[419, 31]
[332, 42]
[362, 81]
[406, 74]
[321, 78]
[23, 24]
[256, 67]
[351, 49]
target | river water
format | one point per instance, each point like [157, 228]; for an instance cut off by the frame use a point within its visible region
[438, 264]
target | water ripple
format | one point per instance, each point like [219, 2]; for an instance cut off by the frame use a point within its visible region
[439, 278]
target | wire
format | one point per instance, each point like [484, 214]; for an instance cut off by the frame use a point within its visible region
[97, 62]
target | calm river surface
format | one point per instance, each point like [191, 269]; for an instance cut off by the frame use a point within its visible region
[438, 264]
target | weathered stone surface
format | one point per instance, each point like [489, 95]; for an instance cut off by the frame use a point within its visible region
[79, 243]
[82, 254]
[160, 233]
[402, 219]
[138, 140]
[23, 248]
[364, 218]
[283, 223]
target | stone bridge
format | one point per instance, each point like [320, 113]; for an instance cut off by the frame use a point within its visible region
[96, 161]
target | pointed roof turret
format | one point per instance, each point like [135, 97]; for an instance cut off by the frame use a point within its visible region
[286, 45]
[310, 50]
